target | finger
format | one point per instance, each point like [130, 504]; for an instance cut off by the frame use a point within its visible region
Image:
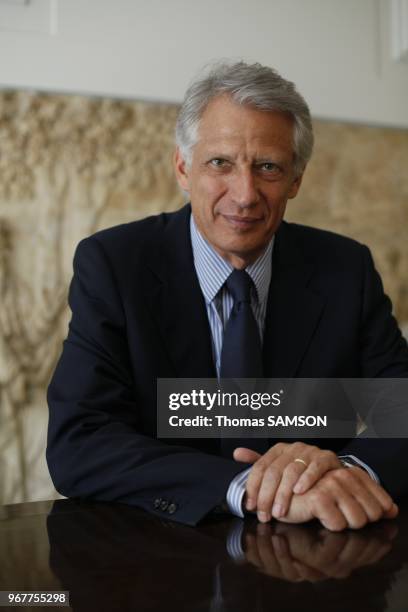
[368, 502]
[371, 551]
[327, 512]
[265, 530]
[378, 554]
[359, 552]
[284, 492]
[352, 510]
[330, 546]
[251, 550]
[268, 486]
[318, 466]
[267, 554]
[256, 476]
[245, 455]
[376, 490]
[371, 496]
[302, 542]
[392, 512]
[352, 490]
[354, 552]
[309, 574]
[324, 557]
[331, 555]
[285, 560]
[352, 497]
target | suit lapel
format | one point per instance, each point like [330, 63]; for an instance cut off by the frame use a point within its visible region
[293, 310]
[178, 304]
[178, 307]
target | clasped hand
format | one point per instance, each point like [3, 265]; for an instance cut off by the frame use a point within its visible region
[319, 487]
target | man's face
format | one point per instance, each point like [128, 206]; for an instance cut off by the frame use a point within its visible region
[240, 178]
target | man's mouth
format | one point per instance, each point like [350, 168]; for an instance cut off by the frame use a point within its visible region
[242, 222]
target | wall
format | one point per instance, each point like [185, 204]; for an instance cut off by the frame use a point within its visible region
[343, 54]
[70, 165]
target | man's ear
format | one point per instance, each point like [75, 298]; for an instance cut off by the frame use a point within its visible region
[181, 170]
[295, 186]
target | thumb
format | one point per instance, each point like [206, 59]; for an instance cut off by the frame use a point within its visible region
[245, 455]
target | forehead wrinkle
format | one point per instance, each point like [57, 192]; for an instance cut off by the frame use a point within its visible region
[238, 148]
[232, 131]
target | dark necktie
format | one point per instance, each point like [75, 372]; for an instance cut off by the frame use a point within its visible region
[241, 355]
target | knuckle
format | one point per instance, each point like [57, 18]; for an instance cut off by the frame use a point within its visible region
[337, 523]
[272, 472]
[375, 514]
[313, 468]
[298, 446]
[264, 501]
[263, 505]
[252, 484]
[250, 488]
[306, 480]
[283, 498]
[317, 498]
[259, 467]
[344, 475]
[387, 503]
[291, 470]
[329, 456]
[359, 522]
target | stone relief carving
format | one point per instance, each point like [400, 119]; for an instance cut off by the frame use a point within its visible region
[70, 165]
[357, 185]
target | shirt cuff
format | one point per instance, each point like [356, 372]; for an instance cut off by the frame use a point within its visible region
[236, 492]
[234, 541]
[356, 461]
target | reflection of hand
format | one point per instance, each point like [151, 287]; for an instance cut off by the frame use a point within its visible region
[342, 498]
[300, 554]
[276, 475]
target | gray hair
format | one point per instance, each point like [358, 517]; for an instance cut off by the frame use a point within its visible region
[247, 84]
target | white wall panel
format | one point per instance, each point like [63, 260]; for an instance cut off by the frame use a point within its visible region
[339, 52]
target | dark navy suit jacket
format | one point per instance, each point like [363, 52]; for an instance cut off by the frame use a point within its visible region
[138, 314]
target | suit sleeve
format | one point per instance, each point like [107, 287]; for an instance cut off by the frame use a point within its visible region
[384, 353]
[95, 448]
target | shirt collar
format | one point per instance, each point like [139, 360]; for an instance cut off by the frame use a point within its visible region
[212, 270]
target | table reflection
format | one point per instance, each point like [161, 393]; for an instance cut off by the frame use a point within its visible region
[115, 557]
[296, 553]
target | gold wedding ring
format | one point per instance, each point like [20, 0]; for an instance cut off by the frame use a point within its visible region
[300, 461]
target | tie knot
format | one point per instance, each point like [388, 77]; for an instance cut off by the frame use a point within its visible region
[239, 284]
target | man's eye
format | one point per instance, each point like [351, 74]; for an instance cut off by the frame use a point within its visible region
[269, 167]
[217, 162]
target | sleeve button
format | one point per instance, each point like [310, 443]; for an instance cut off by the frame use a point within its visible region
[164, 504]
[172, 508]
[157, 502]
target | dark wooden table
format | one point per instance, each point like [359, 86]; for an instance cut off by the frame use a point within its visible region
[114, 557]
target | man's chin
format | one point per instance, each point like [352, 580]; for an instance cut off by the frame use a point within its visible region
[247, 250]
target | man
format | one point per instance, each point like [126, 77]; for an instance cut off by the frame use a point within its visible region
[159, 298]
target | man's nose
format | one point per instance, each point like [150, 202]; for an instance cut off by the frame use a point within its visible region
[244, 189]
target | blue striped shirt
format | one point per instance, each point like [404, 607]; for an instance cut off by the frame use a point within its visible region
[212, 271]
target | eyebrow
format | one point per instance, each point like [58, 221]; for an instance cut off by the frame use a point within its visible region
[225, 154]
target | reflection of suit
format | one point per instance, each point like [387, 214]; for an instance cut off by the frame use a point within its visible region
[139, 314]
[118, 558]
